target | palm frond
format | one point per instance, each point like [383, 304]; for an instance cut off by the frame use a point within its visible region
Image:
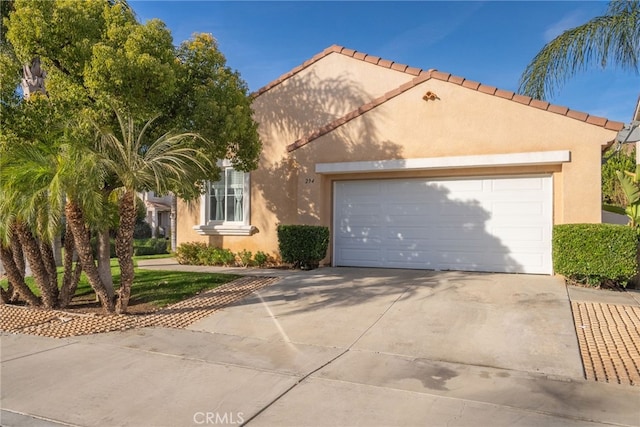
[609, 40]
[630, 188]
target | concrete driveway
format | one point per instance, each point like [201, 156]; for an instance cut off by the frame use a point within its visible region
[330, 347]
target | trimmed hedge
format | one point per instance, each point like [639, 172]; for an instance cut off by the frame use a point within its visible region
[149, 247]
[304, 246]
[595, 254]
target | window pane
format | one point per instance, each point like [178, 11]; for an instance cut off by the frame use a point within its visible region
[216, 201]
[235, 187]
[226, 197]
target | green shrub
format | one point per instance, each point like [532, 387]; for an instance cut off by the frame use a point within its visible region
[210, 255]
[244, 258]
[188, 253]
[206, 256]
[141, 230]
[261, 259]
[203, 254]
[595, 254]
[304, 246]
[225, 257]
[149, 246]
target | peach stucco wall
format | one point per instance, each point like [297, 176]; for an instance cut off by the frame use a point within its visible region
[461, 121]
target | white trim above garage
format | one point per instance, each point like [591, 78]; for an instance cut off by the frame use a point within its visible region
[454, 162]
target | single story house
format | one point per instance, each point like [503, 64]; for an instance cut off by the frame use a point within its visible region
[408, 168]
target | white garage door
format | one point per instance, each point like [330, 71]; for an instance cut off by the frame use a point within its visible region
[500, 224]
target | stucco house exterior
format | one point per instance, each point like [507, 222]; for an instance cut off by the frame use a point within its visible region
[408, 168]
[158, 213]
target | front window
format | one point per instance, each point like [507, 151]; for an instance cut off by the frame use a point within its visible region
[224, 207]
[226, 197]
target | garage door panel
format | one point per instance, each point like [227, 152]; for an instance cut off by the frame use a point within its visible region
[512, 208]
[402, 209]
[531, 183]
[478, 224]
[524, 234]
[460, 187]
[362, 236]
[360, 208]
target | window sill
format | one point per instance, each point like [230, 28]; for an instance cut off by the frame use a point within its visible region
[225, 230]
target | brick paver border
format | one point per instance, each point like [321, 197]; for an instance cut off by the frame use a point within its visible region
[609, 341]
[62, 324]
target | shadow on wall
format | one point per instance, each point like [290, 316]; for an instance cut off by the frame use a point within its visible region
[297, 107]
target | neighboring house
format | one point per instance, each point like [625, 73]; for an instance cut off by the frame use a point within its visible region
[408, 168]
[158, 213]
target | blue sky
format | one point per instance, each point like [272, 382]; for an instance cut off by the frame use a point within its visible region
[490, 42]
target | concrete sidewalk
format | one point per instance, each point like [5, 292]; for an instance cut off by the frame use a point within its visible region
[330, 347]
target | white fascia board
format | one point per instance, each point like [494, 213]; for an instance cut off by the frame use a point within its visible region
[454, 162]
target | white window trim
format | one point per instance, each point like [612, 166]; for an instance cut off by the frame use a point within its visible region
[208, 227]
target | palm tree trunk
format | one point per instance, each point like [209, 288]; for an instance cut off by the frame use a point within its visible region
[38, 268]
[71, 276]
[57, 249]
[124, 248]
[76, 221]
[104, 261]
[18, 254]
[49, 261]
[18, 259]
[16, 278]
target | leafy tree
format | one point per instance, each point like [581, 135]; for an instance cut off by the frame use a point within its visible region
[612, 39]
[111, 73]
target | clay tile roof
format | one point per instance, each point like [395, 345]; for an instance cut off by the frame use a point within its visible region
[421, 76]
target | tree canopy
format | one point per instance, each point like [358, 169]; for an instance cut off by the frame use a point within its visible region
[106, 76]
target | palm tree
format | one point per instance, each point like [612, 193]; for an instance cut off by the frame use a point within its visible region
[167, 164]
[12, 257]
[612, 39]
[35, 180]
[29, 217]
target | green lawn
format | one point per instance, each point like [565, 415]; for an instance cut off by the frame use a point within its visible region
[158, 288]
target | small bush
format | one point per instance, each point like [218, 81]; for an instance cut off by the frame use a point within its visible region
[304, 246]
[149, 246]
[188, 253]
[203, 254]
[595, 254]
[226, 257]
[261, 259]
[210, 255]
[245, 258]
[141, 230]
